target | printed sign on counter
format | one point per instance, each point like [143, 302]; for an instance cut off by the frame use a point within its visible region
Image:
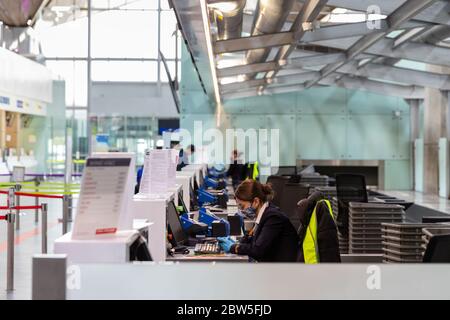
[102, 197]
[159, 171]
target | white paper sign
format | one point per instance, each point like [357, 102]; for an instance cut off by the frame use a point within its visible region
[103, 196]
[18, 174]
[159, 173]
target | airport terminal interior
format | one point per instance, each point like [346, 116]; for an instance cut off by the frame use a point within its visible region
[222, 145]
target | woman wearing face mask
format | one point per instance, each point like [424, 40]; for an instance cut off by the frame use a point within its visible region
[274, 238]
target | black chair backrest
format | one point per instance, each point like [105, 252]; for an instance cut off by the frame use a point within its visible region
[438, 249]
[292, 194]
[350, 188]
[278, 184]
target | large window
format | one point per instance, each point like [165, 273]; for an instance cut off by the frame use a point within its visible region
[124, 42]
[124, 47]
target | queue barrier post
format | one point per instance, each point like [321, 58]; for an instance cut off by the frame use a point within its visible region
[10, 218]
[44, 211]
[17, 188]
[36, 200]
[65, 217]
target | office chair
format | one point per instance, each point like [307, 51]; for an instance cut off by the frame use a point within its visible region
[292, 194]
[327, 237]
[277, 183]
[438, 249]
[350, 188]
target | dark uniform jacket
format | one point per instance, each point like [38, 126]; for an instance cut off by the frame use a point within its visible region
[274, 239]
[327, 237]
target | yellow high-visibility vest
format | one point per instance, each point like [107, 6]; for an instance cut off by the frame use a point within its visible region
[255, 172]
[310, 244]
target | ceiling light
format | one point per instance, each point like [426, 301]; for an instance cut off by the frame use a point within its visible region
[209, 46]
[339, 10]
[352, 17]
[61, 8]
[226, 6]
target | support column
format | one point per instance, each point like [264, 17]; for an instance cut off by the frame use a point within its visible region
[414, 123]
[435, 127]
[2, 130]
[414, 109]
[89, 78]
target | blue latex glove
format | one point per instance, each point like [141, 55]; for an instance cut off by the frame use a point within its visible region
[225, 243]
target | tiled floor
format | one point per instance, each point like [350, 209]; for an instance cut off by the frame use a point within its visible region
[28, 242]
[429, 201]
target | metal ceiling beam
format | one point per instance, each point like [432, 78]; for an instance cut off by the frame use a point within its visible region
[340, 31]
[267, 91]
[356, 83]
[408, 35]
[402, 14]
[353, 83]
[307, 15]
[411, 51]
[291, 63]
[315, 60]
[377, 71]
[253, 42]
[292, 79]
[286, 38]
[401, 75]
[245, 69]
[241, 85]
[437, 13]
[434, 35]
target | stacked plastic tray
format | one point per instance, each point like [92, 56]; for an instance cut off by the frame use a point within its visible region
[403, 242]
[365, 231]
[343, 239]
[314, 180]
[436, 229]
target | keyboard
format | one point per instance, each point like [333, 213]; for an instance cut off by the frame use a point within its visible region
[207, 248]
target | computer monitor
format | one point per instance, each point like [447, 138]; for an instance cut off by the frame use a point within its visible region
[438, 249]
[174, 225]
[194, 199]
[195, 184]
[201, 178]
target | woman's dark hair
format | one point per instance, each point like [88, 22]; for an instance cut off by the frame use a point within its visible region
[251, 189]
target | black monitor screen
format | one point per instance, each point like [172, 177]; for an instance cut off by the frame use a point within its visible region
[194, 202]
[168, 125]
[174, 224]
[438, 249]
[201, 179]
[195, 184]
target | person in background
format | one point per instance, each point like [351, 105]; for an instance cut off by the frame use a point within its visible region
[273, 238]
[236, 169]
[138, 179]
[185, 156]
